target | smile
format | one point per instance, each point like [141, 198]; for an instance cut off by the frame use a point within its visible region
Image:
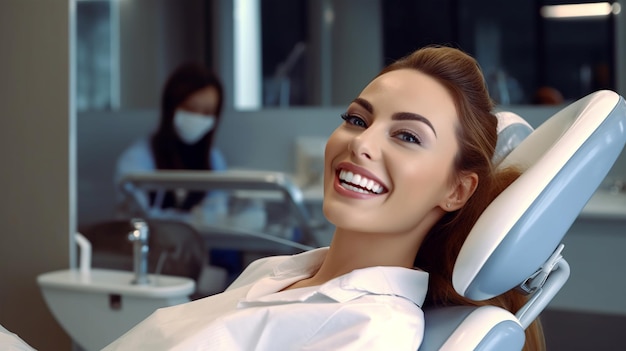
[359, 183]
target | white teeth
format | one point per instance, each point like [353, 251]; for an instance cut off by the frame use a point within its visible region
[347, 176]
[351, 181]
[363, 182]
[353, 188]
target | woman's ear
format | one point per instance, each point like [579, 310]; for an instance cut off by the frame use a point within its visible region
[463, 189]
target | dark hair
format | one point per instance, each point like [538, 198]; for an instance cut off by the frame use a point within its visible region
[168, 151]
[461, 75]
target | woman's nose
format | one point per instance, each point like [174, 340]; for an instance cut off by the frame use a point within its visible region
[366, 145]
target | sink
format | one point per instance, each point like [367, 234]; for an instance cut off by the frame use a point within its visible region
[108, 280]
[97, 306]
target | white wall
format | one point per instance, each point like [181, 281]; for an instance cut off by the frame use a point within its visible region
[37, 197]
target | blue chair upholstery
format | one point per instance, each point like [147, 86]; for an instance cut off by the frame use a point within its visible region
[516, 243]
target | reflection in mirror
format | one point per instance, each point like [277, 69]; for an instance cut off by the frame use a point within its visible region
[126, 49]
[319, 52]
[322, 52]
[316, 52]
[96, 55]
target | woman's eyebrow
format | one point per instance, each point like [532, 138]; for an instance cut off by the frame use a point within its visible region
[398, 116]
[365, 104]
[410, 116]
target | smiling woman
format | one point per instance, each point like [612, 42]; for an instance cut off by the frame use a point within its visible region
[401, 133]
[407, 174]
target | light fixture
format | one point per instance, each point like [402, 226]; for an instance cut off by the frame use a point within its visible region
[247, 53]
[580, 11]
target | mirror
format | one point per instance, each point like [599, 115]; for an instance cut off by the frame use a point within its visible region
[322, 52]
[522, 51]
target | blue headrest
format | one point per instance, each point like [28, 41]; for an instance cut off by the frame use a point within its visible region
[563, 163]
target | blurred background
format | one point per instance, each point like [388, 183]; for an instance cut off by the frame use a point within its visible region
[321, 52]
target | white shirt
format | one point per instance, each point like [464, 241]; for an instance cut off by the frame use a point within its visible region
[375, 308]
[11, 342]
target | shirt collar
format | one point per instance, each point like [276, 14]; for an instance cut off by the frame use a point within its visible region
[411, 284]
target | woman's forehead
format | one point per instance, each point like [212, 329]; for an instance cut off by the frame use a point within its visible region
[409, 90]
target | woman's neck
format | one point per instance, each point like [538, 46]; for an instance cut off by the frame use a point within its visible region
[350, 250]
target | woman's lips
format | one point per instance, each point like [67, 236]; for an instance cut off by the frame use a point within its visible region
[353, 180]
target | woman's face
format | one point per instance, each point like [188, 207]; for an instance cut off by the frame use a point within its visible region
[398, 143]
[204, 101]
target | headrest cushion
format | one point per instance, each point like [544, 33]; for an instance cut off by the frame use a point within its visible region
[512, 129]
[563, 162]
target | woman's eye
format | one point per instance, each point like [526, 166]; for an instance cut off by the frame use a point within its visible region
[408, 137]
[354, 120]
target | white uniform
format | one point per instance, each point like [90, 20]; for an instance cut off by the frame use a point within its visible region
[377, 308]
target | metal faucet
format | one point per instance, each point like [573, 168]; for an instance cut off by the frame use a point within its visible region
[139, 238]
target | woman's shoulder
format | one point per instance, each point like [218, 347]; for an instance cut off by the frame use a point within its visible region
[140, 146]
[136, 157]
[217, 160]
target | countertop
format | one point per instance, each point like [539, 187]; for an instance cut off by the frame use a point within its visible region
[605, 205]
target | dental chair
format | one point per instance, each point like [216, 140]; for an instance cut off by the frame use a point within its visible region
[516, 243]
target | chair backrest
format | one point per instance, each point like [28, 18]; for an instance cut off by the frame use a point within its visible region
[519, 234]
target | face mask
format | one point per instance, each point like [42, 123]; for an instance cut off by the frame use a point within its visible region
[191, 127]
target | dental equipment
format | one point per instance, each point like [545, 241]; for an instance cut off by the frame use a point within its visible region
[139, 237]
[235, 180]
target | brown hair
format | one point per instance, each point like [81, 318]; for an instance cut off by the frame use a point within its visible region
[477, 135]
